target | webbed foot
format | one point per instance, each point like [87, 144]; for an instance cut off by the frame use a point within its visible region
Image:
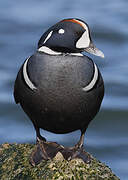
[76, 152]
[47, 150]
[44, 151]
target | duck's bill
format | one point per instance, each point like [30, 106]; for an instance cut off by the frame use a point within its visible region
[95, 51]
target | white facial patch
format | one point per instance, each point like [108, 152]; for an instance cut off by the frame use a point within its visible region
[26, 78]
[48, 36]
[84, 40]
[93, 81]
[61, 31]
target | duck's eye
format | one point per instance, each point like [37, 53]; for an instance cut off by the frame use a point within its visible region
[61, 31]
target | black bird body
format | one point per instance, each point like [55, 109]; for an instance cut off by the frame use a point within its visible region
[59, 104]
[59, 88]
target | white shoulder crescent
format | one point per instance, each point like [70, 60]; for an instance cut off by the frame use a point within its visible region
[93, 81]
[26, 78]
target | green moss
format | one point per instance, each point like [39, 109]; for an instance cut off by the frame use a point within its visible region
[14, 164]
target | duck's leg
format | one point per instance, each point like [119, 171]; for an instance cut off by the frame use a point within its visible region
[38, 135]
[81, 141]
[77, 151]
[44, 150]
[47, 150]
[39, 153]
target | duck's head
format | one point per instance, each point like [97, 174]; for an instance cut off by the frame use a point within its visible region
[69, 36]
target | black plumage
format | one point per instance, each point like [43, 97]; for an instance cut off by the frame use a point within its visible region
[58, 102]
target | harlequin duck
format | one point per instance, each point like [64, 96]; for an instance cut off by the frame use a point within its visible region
[58, 87]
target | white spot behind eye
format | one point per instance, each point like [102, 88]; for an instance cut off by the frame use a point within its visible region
[61, 31]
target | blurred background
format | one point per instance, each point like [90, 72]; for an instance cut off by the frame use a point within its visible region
[21, 25]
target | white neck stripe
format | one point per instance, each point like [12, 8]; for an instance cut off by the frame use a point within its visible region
[47, 50]
[26, 78]
[76, 54]
[93, 82]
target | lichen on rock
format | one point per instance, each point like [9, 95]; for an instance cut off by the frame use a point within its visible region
[14, 164]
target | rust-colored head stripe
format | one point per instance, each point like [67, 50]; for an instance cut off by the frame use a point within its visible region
[74, 21]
